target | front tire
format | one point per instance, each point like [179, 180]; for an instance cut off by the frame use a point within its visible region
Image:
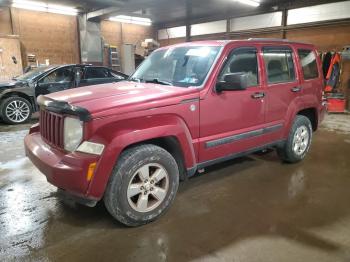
[298, 142]
[15, 110]
[142, 186]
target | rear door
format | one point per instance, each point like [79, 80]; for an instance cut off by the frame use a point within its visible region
[96, 75]
[282, 84]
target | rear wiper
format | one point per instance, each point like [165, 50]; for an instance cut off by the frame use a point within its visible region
[157, 81]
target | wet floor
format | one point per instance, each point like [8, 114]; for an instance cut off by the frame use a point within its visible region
[251, 209]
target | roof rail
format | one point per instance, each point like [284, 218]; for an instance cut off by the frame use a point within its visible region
[269, 39]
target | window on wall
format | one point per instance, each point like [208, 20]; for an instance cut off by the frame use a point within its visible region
[243, 60]
[279, 64]
[308, 63]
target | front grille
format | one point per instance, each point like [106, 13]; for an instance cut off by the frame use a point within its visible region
[51, 128]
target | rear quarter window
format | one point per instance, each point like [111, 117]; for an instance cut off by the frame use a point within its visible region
[308, 63]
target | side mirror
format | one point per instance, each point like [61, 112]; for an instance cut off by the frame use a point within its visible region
[233, 81]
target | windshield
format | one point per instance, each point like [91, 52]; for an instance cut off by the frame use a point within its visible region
[32, 74]
[179, 66]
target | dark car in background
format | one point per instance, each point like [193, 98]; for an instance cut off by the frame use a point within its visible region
[18, 97]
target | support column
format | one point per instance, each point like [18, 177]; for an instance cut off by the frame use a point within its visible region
[284, 22]
[91, 46]
[188, 20]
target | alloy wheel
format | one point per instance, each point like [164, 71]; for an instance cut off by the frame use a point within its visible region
[301, 140]
[17, 111]
[148, 187]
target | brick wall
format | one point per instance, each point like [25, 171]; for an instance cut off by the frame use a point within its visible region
[48, 36]
[115, 33]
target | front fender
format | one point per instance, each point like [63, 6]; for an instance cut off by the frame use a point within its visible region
[132, 131]
[24, 92]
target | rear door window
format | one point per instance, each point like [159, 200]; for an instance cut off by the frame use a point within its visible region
[279, 64]
[96, 72]
[308, 62]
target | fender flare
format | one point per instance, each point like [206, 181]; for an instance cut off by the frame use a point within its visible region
[293, 110]
[121, 138]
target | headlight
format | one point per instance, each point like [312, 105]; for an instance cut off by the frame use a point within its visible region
[73, 133]
[91, 148]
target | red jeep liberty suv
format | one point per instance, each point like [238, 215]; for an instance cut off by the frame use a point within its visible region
[186, 107]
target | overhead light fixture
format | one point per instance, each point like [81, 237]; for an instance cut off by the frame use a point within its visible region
[44, 7]
[254, 3]
[131, 20]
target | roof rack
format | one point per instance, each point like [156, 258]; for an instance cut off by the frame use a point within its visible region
[269, 39]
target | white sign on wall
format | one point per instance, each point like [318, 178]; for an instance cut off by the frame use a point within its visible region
[256, 21]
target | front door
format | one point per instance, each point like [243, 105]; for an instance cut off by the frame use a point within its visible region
[58, 80]
[232, 121]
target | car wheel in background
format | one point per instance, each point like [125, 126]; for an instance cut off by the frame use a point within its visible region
[15, 110]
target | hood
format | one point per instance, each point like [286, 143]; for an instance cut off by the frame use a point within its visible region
[11, 83]
[123, 96]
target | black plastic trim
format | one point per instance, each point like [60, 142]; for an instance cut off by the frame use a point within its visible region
[69, 198]
[240, 154]
[63, 107]
[230, 139]
[191, 100]
[191, 171]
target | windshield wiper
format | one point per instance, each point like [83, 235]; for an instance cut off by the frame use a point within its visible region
[134, 79]
[157, 81]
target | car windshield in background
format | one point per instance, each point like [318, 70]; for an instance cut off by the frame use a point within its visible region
[32, 74]
[179, 66]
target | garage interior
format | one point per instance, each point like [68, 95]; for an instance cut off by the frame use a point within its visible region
[253, 208]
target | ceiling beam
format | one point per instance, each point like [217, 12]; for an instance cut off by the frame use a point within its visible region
[101, 13]
[127, 8]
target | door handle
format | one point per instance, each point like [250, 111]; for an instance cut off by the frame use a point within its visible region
[296, 89]
[258, 95]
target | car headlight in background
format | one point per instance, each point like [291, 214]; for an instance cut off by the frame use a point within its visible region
[73, 133]
[91, 148]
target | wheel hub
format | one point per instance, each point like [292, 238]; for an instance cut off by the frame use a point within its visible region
[147, 186]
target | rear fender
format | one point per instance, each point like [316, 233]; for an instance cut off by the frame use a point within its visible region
[295, 107]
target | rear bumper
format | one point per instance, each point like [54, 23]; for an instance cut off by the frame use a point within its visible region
[66, 171]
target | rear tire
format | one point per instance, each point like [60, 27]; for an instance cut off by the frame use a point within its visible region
[15, 110]
[142, 186]
[298, 142]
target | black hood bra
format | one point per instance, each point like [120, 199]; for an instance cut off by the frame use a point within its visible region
[63, 107]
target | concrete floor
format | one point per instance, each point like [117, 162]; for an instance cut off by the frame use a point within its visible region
[251, 209]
